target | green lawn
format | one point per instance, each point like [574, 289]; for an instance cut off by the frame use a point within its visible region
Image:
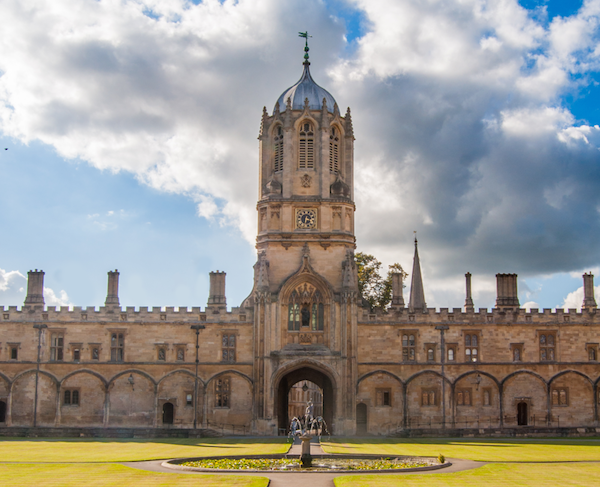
[490, 450]
[129, 450]
[491, 475]
[111, 475]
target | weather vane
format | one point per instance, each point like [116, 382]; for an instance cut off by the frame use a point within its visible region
[306, 36]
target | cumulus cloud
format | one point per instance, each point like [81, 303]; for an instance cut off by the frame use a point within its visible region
[13, 287]
[461, 130]
[13, 290]
[574, 300]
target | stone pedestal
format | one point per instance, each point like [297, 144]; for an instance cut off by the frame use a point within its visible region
[306, 458]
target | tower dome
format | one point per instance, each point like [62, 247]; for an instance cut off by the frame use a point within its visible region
[306, 88]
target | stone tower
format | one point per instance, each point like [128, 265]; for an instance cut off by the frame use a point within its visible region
[305, 288]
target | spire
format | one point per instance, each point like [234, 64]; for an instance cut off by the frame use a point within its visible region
[417, 296]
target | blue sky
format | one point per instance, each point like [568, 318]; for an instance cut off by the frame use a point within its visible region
[132, 141]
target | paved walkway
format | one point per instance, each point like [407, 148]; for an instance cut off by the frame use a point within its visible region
[316, 479]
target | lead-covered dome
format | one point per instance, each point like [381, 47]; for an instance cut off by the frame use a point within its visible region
[306, 88]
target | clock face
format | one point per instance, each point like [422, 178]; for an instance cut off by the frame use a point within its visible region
[306, 218]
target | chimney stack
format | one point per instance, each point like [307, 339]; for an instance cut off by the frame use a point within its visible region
[35, 288]
[469, 307]
[506, 286]
[216, 296]
[589, 302]
[397, 291]
[112, 296]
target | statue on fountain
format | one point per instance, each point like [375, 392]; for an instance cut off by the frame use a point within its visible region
[308, 415]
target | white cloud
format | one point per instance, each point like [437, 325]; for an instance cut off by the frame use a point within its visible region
[52, 299]
[13, 290]
[461, 131]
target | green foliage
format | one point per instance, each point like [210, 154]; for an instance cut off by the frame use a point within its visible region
[374, 289]
[441, 458]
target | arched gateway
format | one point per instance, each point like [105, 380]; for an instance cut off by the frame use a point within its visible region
[311, 374]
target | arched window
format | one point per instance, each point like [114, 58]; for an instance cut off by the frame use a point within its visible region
[334, 151]
[450, 355]
[430, 354]
[294, 312]
[516, 355]
[306, 148]
[278, 149]
[306, 309]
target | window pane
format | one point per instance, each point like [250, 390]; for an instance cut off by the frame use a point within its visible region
[225, 355]
[232, 340]
[474, 340]
[468, 351]
[224, 340]
[67, 397]
[543, 339]
[543, 354]
[550, 339]
[411, 354]
[411, 340]
[450, 354]
[405, 340]
[75, 398]
[468, 340]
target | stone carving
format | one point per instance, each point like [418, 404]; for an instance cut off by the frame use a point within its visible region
[305, 181]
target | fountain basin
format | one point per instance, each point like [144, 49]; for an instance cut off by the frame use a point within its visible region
[320, 463]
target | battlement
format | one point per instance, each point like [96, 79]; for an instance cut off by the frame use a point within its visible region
[129, 314]
[482, 316]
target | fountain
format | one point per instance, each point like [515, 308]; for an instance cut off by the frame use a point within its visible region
[306, 429]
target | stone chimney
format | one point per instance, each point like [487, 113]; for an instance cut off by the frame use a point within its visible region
[469, 307]
[35, 288]
[216, 296]
[506, 286]
[589, 302]
[112, 296]
[397, 289]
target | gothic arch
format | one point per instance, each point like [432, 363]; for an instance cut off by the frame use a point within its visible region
[132, 371]
[480, 372]
[85, 371]
[569, 371]
[432, 372]
[230, 371]
[179, 371]
[378, 371]
[524, 371]
[33, 371]
[305, 274]
[6, 379]
[282, 371]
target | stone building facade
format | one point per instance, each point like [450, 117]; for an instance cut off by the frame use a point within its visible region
[410, 367]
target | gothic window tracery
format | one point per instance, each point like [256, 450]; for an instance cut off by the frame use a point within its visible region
[306, 147]
[306, 309]
[334, 151]
[278, 149]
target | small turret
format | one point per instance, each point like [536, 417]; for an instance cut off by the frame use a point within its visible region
[216, 295]
[589, 302]
[35, 288]
[112, 296]
[506, 287]
[469, 307]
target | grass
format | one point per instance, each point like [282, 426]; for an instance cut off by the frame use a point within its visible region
[487, 450]
[491, 475]
[129, 450]
[111, 475]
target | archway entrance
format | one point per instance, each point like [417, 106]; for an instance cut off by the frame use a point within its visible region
[522, 414]
[317, 377]
[168, 413]
[2, 412]
[361, 418]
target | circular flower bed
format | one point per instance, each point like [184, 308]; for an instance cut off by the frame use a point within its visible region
[318, 464]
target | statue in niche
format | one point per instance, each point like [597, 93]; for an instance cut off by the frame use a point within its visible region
[305, 316]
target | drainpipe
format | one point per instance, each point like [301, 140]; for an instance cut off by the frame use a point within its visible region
[39, 327]
[442, 329]
[197, 328]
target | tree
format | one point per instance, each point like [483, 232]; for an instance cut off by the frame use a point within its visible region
[374, 289]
